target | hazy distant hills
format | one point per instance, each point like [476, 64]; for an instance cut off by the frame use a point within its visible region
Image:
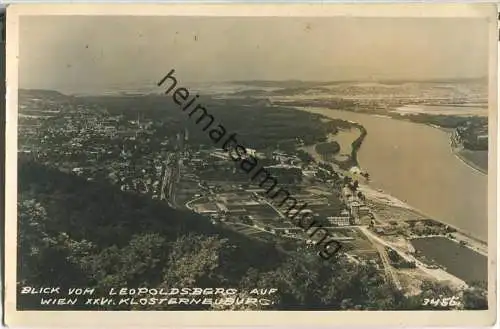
[56, 95]
[42, 94]
[266, 85]
[300, 83]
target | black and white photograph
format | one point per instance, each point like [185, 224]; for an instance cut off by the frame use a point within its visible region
[260, 162]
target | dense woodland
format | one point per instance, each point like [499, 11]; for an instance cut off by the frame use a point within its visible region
[256, 125]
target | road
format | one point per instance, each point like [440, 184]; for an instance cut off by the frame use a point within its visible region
[166, 175]
[188, 204]
[389, 272]
[263, 199]
[171, 176]
[438, 274]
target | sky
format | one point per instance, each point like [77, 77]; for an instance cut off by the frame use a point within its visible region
[92, 53]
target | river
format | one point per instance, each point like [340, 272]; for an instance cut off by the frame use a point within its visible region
[415, 163]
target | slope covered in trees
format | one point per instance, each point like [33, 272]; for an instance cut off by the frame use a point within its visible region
[76, 233]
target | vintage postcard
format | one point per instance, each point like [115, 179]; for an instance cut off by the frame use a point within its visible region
[211, 165]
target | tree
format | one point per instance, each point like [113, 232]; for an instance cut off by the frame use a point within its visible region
[475, 297]
[355, 186]
[431, 291]
[195, 259]
[304, 157]
[33, 238]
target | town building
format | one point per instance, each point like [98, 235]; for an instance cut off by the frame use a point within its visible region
[355, 221]
[354, 207]
[364, 211]
[286, 173]
[339, 220]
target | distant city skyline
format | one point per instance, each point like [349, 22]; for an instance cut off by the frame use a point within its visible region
[98, 53]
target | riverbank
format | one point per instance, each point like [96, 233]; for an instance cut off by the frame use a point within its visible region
[390, 201]
[457, 150]
[460, 152]
[415, 163]
[459, 241]
[443, 122]
[445, 255]
[382, 197]
[425, 173]
[438, 274]
[341, 158]
[468, 162]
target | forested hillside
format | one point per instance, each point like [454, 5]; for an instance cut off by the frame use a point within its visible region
[76, 233]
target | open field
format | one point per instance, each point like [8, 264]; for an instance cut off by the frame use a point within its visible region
[386, 212]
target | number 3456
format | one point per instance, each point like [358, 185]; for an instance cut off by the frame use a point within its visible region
[441, 302]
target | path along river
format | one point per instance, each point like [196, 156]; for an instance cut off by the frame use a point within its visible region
[415, 163]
